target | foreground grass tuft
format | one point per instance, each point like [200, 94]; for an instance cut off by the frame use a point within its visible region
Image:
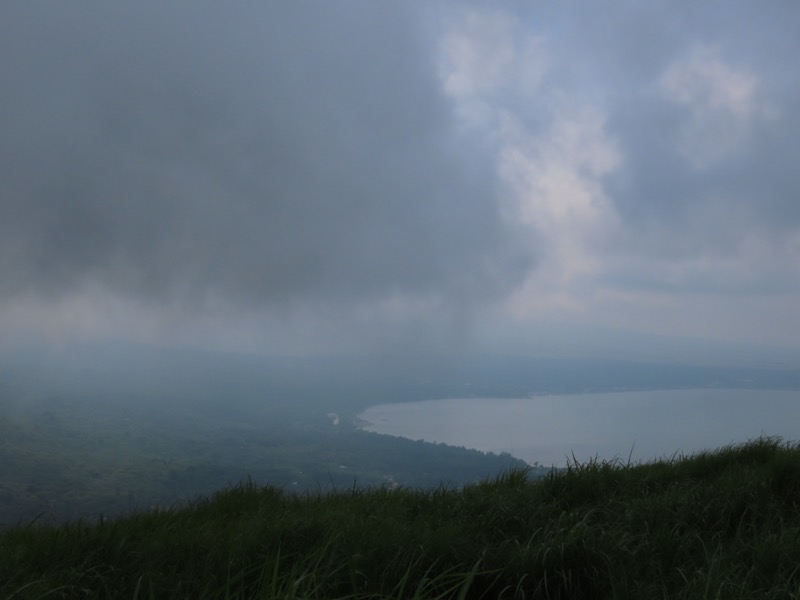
[722, 524]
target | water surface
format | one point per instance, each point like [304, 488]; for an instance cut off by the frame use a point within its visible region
[641, 425]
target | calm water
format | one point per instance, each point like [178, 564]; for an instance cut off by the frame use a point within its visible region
[547, 429]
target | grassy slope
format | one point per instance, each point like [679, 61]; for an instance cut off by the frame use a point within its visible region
[723, 524]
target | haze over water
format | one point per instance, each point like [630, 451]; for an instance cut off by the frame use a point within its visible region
[641, 425]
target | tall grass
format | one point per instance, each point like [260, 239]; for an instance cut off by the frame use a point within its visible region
[721, 524]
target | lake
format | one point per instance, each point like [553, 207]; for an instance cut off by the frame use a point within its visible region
[548, 429]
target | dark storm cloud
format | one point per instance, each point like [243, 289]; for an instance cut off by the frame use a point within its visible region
[259, 153]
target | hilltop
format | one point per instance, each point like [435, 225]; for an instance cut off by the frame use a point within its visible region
[721, 523]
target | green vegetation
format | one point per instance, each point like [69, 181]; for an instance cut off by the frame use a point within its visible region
[722, 524]
[67, 457]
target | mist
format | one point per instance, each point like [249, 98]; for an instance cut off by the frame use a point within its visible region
[226, 231]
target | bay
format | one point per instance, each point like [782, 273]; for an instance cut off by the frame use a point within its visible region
[555, 429]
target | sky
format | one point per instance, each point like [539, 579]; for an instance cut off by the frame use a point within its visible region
[359, 177]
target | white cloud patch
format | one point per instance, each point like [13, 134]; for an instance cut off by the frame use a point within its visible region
[723, 104]
[552, 149]
[556, 176]
[487, 57]
[479, 54]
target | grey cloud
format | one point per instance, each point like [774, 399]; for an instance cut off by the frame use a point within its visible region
[750, 184]
[659, 187]
[267, 155]
[613, 54]
[262, 153]
[724, 221]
